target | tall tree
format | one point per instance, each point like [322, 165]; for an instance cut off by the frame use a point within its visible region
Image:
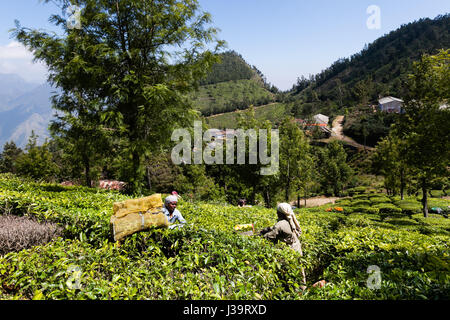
[9, 157]
[388, 160]
[80, 136]
[333, 168]
[138, 59]
[295, 158]
[37, 161]
[424, 126]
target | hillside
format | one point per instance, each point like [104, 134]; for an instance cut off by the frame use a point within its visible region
[380, 69]
[274, 112]
[232, 85]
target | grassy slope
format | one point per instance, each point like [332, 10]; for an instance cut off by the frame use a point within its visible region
[273, 112]
[229, 96]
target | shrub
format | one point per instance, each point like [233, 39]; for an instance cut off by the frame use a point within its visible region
[377, 200]
[356, 190]
[387, 208]
[359, 203]
[436, 193]
[366, 209]
[409, 207]
[378, 194]
[343, 202]
[360, 197]
[18, 233]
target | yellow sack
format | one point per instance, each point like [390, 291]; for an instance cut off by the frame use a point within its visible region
[135, 215]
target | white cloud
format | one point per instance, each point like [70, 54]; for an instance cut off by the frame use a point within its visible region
[15, 58]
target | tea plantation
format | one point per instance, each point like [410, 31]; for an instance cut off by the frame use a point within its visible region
[207, 259]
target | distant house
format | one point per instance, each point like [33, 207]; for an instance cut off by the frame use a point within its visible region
[320, 119]
[390, 104]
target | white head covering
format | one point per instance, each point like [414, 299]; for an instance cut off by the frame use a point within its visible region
[286, 210]
[170, 198]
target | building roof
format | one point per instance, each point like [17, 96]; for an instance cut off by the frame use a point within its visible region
[389, 99]
[321, 118]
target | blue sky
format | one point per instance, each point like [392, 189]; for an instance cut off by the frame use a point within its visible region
[285, 39]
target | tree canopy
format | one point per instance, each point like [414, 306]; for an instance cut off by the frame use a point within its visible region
[131, 62]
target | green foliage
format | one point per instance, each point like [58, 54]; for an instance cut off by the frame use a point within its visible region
[37, 162]
[361, 203]
[368, 127]
[231, 67]
[356, 190]
[296, 161]
[408, 206]
[381, 68]
[206, 259]
[230, 96]
[424, 126]
[135, 61]
[273, 112]
[336, 173]
[9, 157]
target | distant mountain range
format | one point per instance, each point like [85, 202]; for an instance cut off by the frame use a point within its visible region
[24, 107]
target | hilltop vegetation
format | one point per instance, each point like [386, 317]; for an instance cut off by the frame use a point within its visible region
[231, 67]
[380, 69]
[230, 96]
[232, 85]
[273, 112]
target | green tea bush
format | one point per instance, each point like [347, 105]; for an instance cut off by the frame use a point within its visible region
[436, 193]
[343, 202]
[409, 207]
[363, 196]
[356, 190]
[359, 203]
[366, 209]
[388, 208]
[379, 199]
[207, 259]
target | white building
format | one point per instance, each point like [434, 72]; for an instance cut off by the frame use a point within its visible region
[321, 119]
[390, 104]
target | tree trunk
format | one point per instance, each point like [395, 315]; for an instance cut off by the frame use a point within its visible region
[306, 194]
[288, 182]
[298, 200]
[402, 183]
[149, 181]
[87, 168]
[267, 198]
[424, 197]
[136, 173]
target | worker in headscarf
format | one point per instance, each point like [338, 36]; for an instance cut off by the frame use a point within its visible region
[171, 211]
[287, 229]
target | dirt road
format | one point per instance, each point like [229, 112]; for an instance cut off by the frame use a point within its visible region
[337, 133]
[316, 201]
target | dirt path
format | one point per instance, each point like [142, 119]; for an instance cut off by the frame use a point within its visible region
[316, 201]
[337, 133]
